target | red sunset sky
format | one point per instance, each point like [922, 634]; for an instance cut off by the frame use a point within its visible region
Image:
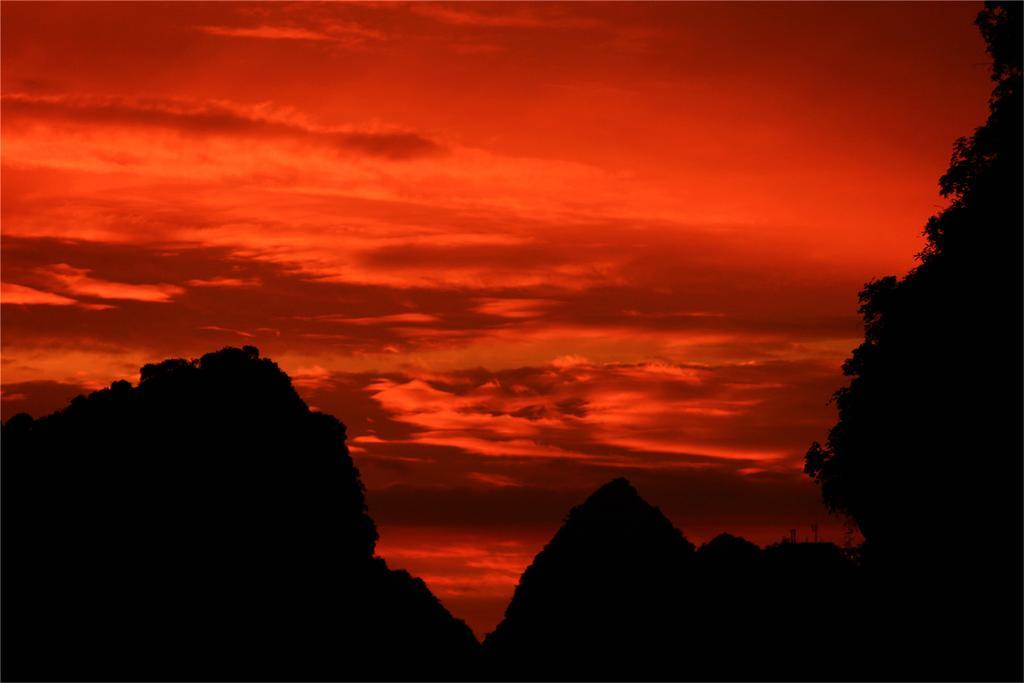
[517, 249]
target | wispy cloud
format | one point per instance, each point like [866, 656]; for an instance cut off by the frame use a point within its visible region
[513, 308]
[19, 294]
[393, 319]
[346, 32]
[265, 32]
[227, 330]
[223, 282]
[79, 282]
[204, 117]
[652, 415]
[536, 17]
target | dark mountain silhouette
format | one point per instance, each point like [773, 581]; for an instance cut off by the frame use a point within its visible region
[927, 454]
[620, 594]
[206, 525]
[596, 600]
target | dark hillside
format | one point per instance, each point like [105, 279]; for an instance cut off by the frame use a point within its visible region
[204, 524]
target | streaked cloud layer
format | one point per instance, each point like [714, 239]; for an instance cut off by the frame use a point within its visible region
[518, 248]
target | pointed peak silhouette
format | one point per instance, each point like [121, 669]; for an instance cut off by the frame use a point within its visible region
[602, 584]
[616, 516]
[617, 499]
[618, 489]
[616, 522]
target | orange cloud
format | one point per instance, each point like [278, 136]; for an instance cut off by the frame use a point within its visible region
[394, 319]
[78, 281]
[647, 416]
[513, 308]
[268, 32]
[218, 328]
[210, 118]
[222, 282]
[521, 16]
[19, 294]
[493, 479]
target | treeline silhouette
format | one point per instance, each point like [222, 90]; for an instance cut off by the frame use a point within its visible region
[926, 456]
[203, 525]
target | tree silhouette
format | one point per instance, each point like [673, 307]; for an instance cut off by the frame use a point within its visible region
[926, 455]
[204, 524]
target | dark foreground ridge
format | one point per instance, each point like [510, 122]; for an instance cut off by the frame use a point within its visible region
[620, 594]
[206, 525]
[203, 525]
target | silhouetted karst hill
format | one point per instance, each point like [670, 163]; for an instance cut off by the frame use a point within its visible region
[620, 594]
[599, 594]
[204, 524]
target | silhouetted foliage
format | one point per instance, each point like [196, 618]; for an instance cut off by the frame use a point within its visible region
[926, 456]
[204, 524]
